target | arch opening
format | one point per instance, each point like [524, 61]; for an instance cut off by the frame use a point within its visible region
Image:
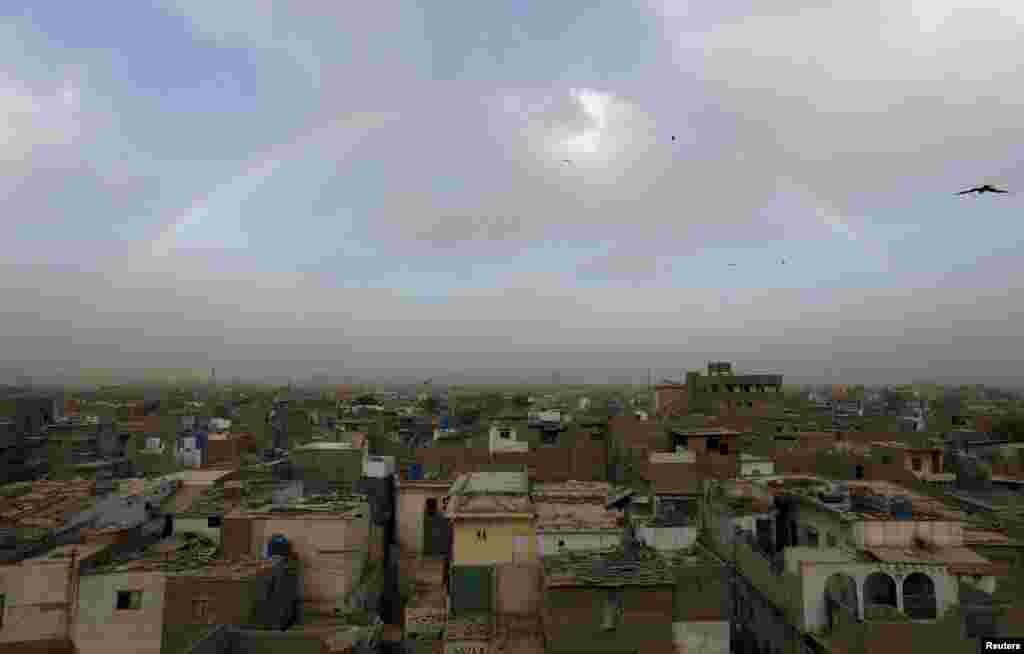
[879, 596]
[919, 601]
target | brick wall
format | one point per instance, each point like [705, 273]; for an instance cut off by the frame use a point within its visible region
[230, 600]
[236, 537]
[585, 460]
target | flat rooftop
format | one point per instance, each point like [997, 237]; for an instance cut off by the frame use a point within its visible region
[491, 483]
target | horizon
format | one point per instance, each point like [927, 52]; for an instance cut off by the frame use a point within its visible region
[504, 190]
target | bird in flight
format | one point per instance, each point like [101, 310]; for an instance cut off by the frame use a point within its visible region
[567, 161]
[986, 188]
[782, 261]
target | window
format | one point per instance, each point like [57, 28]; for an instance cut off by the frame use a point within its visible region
[561, 544]
[481, 534]
[915, 463]
[214, 521]
[504, 433]
[858, 472]
[713, 442]
[886, 458]
[200, 608]
[431, 506]
[723, 449]
[129, 600]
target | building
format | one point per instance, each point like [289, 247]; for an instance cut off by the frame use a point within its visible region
[176, 586]
[329, 536]
[494, 571]
[821, 563]
[608, 601]
[36, 597]
[571, 516]
[719, 391]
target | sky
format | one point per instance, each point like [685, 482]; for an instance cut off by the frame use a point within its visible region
[274, 187]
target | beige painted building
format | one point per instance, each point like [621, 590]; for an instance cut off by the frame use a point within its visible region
[331, 542]
[492, 519]
[126, 609]
[36, 594]
[414, 500]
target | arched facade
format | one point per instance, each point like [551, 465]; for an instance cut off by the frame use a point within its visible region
[931, 590]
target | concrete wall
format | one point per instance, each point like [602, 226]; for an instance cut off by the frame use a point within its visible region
[518, 589]
[499, 546]
[99, 624]
[711, 637]
[231, 601]
[754, 468]
[410, 505]
[902, 534]
[197, 525]
[667, 539]
[34, 592]
[332, 552]
[575, 541]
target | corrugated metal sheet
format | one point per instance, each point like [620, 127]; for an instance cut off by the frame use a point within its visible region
[471, 588]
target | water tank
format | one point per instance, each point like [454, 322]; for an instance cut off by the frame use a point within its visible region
[278, 545]
[902, 507]
[415, 472]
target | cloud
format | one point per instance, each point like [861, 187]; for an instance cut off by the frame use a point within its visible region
[36, 124]
[869, 99]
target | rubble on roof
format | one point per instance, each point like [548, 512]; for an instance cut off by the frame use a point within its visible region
[607, 567]
[469, 626]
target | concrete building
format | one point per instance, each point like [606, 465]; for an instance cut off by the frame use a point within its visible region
[36, 593]
[495, 573]
[719, 391]
[862, 560]
[330, 536]
[142, 603]
[571, 516]
[608, 601]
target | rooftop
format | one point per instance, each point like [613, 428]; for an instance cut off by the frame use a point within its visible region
[575, 516]
[469, 626]
[191, 554]
[43, 504]
[572, 492]
[491, 483]
[609, 567]
[704, 431]
[331, 446]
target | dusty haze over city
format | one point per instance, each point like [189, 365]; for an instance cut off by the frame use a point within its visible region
[273, 188]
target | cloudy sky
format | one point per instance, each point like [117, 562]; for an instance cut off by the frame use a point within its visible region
[274, 186]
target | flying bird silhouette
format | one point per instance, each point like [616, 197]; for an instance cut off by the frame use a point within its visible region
[567, 161]
[782, 261]
[985, 188]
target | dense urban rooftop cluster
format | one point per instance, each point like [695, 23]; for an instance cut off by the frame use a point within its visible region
[718, 512]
